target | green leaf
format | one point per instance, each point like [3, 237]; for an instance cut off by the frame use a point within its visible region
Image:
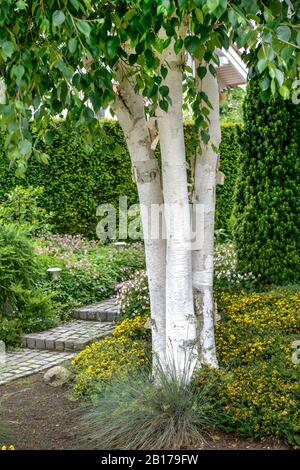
[49, 137]
[8, 48]
[164, 91]
[284, 92]
[298, 38]
[166, 6]
[25, 147]
[21, 5]
[58, 18]
[84, 28]
[283, 33]
[164, 105]
[264, 83]
[262, 64]
[44, 157]
[182, 3]
[19, 105]
[279, 77]
[199, 15]
[112, 46]
[178, 45]
[150, 59]
[75, 4]
[205, 137]
[72, 44]
[212, 70]
[201, 72]
[212, 5]
[192, 44]
[286, 53]
[273, 87]
[18, 71]
[217, 7]
[132, 59]
[163, 71]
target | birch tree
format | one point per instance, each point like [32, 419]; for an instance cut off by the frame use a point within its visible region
[129, 109]
[75, 56]
[204, 196]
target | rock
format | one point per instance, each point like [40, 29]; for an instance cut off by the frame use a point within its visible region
[57, 376]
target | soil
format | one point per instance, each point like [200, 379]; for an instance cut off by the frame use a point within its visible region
[43, 417]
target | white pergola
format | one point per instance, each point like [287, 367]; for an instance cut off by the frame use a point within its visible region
[232, 71]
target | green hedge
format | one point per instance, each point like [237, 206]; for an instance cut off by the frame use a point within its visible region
[229, 157]
[267, 209]
[76, 182]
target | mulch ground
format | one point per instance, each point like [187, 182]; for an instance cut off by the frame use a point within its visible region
[43, 417]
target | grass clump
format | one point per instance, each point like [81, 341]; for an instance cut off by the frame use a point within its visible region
[136, 413]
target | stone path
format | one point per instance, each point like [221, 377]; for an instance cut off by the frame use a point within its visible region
[27, 361]
[48, 348]
[72, 336]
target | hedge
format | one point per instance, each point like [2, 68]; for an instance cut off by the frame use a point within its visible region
[267, 232]
[76, 182]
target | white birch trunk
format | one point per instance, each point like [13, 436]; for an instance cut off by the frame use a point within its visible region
[129, 108]
[206, 168]
[180, 319]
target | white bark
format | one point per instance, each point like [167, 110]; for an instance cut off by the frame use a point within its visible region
[129, 108]
[206, 168]
[180, 319]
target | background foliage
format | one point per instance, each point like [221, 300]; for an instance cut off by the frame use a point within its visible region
[24, 306]
[267, 209]
[75, 182]
[231, 105]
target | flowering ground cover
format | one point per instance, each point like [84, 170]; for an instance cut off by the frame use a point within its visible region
[256, 391]
[127, 350]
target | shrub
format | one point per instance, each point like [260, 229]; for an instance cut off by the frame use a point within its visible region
[231, 106]
[226, 272]
[115, 356]
[229, 157]
[267, 230]
[23, 307]
[21, 206]
[76, 182]
[90, 271]
[133, 297]
[258, 387]
[133, 413]
[18, 265]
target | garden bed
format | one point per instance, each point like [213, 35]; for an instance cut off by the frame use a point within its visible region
[38, 415]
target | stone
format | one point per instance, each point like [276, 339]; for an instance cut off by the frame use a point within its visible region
[57, 376]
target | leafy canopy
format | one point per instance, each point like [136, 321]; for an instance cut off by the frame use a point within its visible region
[58, 57]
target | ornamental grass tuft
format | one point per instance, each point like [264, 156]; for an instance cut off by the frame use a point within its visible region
[136, 413]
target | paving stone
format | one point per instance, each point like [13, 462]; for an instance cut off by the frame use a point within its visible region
[44, 360]
[40, 343]
[98, 311]
[72, 336]
[50, 345]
